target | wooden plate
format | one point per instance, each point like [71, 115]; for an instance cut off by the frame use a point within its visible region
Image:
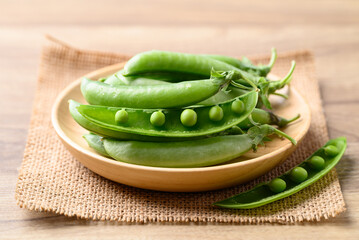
[177, 179]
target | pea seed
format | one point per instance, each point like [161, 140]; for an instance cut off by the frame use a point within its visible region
[316, 162]
[121, 116]
[298, 174]
[158, 119]
[188, 117]
[216, 113]
[277, 185]
[331, 150]
[237, 106]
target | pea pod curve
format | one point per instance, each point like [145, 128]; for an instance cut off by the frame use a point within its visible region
[203, 152]
[159, 96]
[262, 194]
[139, 119]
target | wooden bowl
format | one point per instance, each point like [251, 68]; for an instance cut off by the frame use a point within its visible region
[237, 171]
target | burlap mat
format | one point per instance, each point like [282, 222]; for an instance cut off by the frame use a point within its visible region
[50, 179]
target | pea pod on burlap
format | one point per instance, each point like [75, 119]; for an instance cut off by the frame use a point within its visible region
[303, 175]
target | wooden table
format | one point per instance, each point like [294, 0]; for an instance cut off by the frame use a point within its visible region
[329, 28]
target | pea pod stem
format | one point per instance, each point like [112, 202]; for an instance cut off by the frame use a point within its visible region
[275, 85]
[273, 58]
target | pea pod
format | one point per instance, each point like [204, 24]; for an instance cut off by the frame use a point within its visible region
[229, 93]
[258, 116]
[159, 96]
[291, 182]
[177, 124]
[163, 61]
[246, 65]
[195, 153]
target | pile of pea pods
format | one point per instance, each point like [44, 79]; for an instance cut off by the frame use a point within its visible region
[179, 110]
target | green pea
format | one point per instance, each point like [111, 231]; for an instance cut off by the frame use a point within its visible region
[158, 119]
[277, 185]
[298, 174]
[238, 106]
[216, 113]
[188, 117]
[121, 116]
[331, 150]
[316, 162]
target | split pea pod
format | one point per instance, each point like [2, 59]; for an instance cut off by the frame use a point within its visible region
[258, 115]
[172, 123]
[159, 96]
[196, 153]
[305, 174]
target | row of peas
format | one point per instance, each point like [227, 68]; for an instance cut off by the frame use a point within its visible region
[188, 116]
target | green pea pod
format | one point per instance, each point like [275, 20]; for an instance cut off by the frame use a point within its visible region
[196, 153]
[231, 92]
[174, 126]
[246, 65]
[159, 96]
[95, 142]
[158, 61]
[291, 182]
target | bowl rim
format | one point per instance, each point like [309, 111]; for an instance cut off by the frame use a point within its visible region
[115, 67]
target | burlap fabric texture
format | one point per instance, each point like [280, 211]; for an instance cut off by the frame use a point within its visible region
[50, 179]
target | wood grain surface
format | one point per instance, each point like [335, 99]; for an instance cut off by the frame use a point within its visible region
[328, 28]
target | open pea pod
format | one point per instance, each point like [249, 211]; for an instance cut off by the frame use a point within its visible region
[305, 174]
[200, 123]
